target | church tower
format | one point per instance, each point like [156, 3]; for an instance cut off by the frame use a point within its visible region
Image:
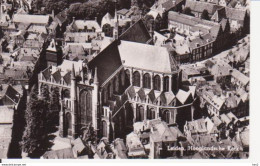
[73, 97]
[115, 30]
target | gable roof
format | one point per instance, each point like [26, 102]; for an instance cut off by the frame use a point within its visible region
[107, 62]
[182, 96]
[46, 73]
[163, 133]
[12, 94]
[136, 33]
[229, 13]
[57, 76]
[198, 6]
[168, 5]
[26, 18]
[195, 23]
[154, 14]
[61, 17]
[81, 24]
[240, 76]
[219, 14]
[123, 11]
[106, 19]
[235, 14]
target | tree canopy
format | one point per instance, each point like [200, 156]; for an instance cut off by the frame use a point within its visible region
[205, 15]
[81, 9]
[34, 133]
[187, 11]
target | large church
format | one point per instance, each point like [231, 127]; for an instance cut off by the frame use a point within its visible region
[126, 82]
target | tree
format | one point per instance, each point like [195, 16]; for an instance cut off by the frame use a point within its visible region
[34, 134]
[18, 127]
[205, 15]
[55, 5]
[187, 11]
[124, 4]
[1, 59]
[45, 98]
[91, 9]
[140, 3]
[55, 106]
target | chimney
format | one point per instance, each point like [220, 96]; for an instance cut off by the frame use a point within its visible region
[96, 19]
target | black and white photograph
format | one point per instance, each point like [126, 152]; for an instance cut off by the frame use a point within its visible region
[125, 79]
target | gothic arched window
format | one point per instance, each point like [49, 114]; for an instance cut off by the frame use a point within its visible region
[104, 126]
[85, 107]
[166, 116]
[147, 81]
[151, 113]
[136, 79]
[115, 85]
[157, 83]
[166, 84]
[127, 78]
[109, 91]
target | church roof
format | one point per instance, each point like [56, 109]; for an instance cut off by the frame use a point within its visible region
[57, 76]
[136, 33]
[107, 62]
[151, 96]
[147, 57]
[141, 94]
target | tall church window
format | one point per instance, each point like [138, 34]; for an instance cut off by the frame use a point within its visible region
[109, 91]
[67, 125]
[85, 108]
[151, 114]
[104, 126]
[136, 79]
[127, 78]
[166, 116]
[157, 83]
[140, 113]
[147, 81]
[115, 85]
[166, 84]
